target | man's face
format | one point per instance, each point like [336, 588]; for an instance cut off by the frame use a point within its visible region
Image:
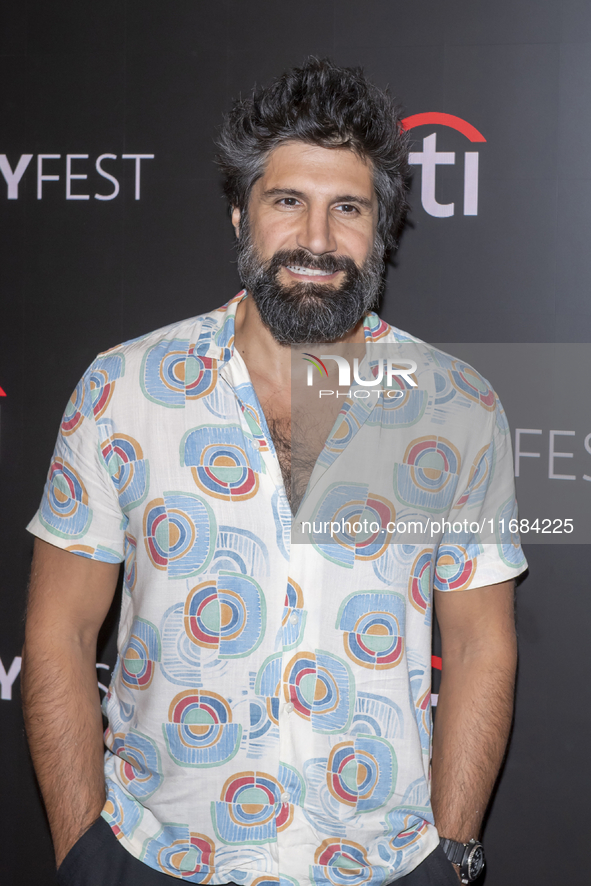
[308, 251]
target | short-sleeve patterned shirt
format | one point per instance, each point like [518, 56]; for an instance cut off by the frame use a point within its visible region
[270, 710]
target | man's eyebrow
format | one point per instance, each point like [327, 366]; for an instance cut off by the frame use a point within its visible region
[355, 198]
[345, 198]
[274, 192]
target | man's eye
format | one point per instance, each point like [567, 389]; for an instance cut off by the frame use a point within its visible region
[347, 208]
[289, 201]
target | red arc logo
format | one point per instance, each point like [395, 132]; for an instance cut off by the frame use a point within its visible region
[430, 158]
[437, 118]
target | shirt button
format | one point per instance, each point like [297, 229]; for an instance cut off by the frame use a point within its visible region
[294, 618]
[289, 707]
[285, 797]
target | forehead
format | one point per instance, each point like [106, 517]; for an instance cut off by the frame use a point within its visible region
[327, 171]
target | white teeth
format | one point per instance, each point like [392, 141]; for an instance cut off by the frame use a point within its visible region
[309, 272]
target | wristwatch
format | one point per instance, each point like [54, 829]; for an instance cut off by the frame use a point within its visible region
[469, 857]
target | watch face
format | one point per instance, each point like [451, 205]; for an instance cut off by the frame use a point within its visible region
[475, 862]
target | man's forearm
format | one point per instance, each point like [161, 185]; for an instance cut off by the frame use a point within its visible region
[64, 727]
[472, 724]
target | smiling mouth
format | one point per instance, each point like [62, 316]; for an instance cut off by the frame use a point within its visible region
[309, 272]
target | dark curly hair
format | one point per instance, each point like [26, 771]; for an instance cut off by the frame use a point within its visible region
[326, 105]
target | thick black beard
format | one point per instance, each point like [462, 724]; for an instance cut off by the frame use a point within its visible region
[309, 313]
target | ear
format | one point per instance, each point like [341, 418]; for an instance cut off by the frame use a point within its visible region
[236, 220]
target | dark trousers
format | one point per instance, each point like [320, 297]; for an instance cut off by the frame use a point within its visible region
[98, 859]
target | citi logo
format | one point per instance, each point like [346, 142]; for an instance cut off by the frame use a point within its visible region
[430, 158]
[71, 170]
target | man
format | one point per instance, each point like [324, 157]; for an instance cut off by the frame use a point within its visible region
[269, 713]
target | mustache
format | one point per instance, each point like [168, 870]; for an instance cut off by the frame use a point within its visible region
[330, 264]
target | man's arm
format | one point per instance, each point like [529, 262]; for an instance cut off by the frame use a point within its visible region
[475, 705]
[69, 598]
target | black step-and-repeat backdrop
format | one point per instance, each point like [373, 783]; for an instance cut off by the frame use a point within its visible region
[113, 224]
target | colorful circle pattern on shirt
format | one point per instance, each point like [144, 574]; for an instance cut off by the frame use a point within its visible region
[343, 862]
[173, 372]
[377, 514]
[127, 468]
[343, 434]
[454, 567]
[227, 613]
[428, 477]
[104, 373]
[375, 328]
[201, 375]
[320, 687]
[255, 425]
[362, 773]
[268, 686]
[423, 716]
[293, 621]
[186, 855]
[480, 474]
[64, 508]
[409, 831]
[179, 534]
[374, 628]
[444, 389]
[140, 770]
[472, 384]
[201, 731]
[122, 813]
[250, 809]
[79, 407]
[351, 523]
[101, 553]
[419, 585]
[140, 656]
[224, 463]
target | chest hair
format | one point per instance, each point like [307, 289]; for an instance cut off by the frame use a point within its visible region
[297, 446]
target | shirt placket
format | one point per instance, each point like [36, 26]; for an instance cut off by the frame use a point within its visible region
[236, 375]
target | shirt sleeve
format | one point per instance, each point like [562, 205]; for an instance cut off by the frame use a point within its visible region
[80, 510]
[478, 547]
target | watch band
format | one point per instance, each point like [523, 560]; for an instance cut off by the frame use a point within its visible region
[453, 850]
[468, 856]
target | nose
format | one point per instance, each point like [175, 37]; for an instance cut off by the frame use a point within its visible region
[316, 231]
